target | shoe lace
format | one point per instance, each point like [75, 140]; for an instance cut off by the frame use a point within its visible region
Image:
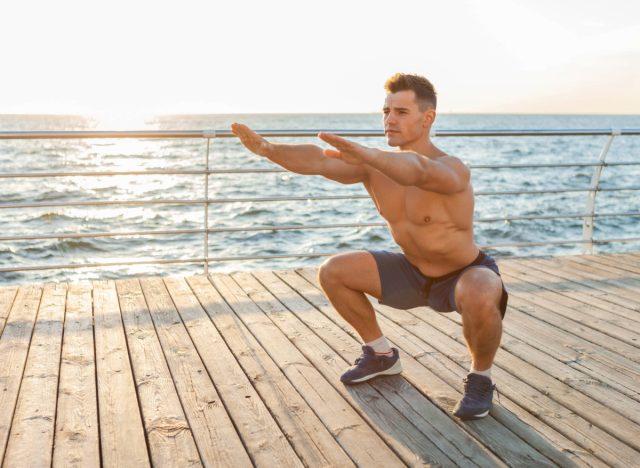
[477, 389]
[361, 358]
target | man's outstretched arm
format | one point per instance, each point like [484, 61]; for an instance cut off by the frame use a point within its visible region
[444, 175]
[301, 159]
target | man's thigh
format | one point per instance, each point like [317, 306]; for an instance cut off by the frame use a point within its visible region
[355, 270]
[402, 285]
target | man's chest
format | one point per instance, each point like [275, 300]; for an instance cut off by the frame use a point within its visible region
[397, 203]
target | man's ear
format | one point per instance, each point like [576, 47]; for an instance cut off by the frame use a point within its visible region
[429, 117]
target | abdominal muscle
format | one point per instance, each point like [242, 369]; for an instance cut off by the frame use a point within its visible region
[435, 250]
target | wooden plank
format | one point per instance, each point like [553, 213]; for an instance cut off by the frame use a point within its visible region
[599, 390]
[598, 359]
[440, 378]
[610, 290]
[362, 444]
[310, 439]
[398, 430]
[596, 325]
[441, 430]
[558, 355]
[580, 354]
[168, 434]
[206, 410]
[76, 438]
[623, 260]
[7, 296]
[618, 273]
[14, 346]
[626, 262]
[590, 424]
[33, 421]
[562, 283]
[611, 280]
[122, 438]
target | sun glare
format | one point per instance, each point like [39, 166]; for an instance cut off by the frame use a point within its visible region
[130, 120]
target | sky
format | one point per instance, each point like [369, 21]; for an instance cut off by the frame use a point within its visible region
[138, 58]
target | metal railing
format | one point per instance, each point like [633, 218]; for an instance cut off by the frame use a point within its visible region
[588, 216]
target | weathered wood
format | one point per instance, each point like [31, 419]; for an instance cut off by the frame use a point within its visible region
[206, 409]
[578, 417]
[275, 395]
[623, 263]
[383, 414]
[440, 378]
[122, 438]
[555, 361]
[596, 325]
[574, 351]
[441, 430]
[76, 440]
[14, 346]
[601, 286]
[566, 284]
[7, 296]
[619, 274]
[33, 421]
[168, 434]
[621, 260]
[567, 374]
[362, 444]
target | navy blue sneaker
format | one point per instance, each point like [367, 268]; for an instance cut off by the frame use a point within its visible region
[370, 365]
[476, 401]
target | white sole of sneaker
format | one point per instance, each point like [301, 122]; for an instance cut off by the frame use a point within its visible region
[475, 416]
[393, 370]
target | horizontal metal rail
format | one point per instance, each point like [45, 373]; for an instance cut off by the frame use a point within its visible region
[213, 201]
[292, 227]
[35, 175]
[153, 134]
[163, 261]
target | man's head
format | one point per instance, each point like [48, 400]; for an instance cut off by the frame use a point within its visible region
[425, 94]
[409, 109]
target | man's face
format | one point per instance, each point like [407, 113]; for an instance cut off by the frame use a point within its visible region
[404, 122]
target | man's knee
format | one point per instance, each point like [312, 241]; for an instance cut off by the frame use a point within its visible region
[353, 270]
[479, 291]
[330, 272]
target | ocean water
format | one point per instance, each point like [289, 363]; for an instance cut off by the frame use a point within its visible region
[19, 156]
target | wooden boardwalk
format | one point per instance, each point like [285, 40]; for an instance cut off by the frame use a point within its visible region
[243, 370]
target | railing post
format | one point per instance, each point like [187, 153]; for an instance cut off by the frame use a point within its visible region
[208, 134]
[589, 221]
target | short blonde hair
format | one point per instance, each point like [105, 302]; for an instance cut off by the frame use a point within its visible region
[424, 90]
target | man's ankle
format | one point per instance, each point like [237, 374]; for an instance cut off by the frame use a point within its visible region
[380, 346]
[485, 373]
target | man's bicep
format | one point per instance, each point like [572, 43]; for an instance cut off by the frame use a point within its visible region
[341, 171]
[448, 176]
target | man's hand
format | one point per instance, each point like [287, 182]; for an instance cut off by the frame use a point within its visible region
[254, 142]
[346, 150]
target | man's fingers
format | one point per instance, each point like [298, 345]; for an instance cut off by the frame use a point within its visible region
[331, 153]
[241, 130]
[336, 141]
[331, 138]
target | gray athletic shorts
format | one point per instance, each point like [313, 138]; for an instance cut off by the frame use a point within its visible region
[405, 287]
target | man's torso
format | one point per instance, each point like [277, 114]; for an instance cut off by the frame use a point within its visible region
[435, 231]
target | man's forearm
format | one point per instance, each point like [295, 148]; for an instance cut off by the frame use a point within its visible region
[302, 159]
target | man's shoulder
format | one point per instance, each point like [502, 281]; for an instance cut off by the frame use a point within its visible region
[453, 161]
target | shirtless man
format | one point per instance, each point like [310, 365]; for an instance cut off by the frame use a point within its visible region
[426, 198]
